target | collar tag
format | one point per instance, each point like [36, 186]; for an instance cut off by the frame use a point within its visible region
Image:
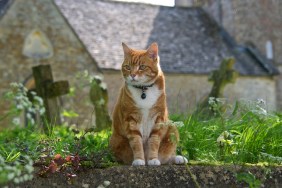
[143, 88]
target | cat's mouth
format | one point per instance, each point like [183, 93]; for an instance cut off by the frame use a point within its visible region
[135, 80]
[132, 80]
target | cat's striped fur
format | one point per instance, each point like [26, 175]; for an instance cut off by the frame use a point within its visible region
[140, 131]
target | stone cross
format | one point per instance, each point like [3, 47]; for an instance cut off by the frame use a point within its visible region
[220, 78]
[49, 90]
[99, 98]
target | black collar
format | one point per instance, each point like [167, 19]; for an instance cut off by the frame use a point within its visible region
[143, 88]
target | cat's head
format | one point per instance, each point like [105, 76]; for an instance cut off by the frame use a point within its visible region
[140, 67]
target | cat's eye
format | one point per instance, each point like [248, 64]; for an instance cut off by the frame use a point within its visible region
[142, 67]
[127, 67]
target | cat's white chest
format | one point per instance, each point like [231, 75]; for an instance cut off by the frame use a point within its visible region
[145, 105]
[152, 95]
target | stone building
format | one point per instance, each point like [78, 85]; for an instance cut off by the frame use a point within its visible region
[255, 23]
[191, 45]
[18, 19]
[87, 35]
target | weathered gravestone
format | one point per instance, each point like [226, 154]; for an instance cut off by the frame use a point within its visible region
[49, 90]
[99, 98]
[220, 78]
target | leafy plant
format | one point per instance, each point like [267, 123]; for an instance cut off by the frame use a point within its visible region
[20, 170]
[10, 156]
[68, 148]
[248, 178]
[23, 101]
[68, 166]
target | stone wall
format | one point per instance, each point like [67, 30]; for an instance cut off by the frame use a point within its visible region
[184, 90]
[70, 55]
[253, 22]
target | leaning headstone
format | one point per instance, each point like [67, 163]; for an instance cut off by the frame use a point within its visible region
[99, 98]
[220, 78]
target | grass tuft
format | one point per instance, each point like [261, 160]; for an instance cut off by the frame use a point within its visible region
[249, 135]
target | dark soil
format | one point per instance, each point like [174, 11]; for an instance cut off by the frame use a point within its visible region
[162, 176]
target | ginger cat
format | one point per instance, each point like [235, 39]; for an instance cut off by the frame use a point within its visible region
[140, 117]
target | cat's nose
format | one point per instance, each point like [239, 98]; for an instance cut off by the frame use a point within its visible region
[133, 75]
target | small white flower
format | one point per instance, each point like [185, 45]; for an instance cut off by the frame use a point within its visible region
[32, 122]
[39, 100]
[25, 177]
[14, 84]
[28, 116]
[9, 168]
[259, 110]
[33, 93]
[261, 101]
[20, 85]
[234, 153]
[19, 97]
[26, 104]
[25, 89]
[18, 172]
[220, 100]
[42, 111]
[11, 176]
[19, 107]
[98, 77]
[85, 73]
[211, 100]
[103, 85]
[90, 79]
[101, 102]
[16, 121]
[16, 180]
[263, 111]
[29, 168]
[222, 138]
[31, 110]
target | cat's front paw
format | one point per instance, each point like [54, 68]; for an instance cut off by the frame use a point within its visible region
[154, 162]
[138, 162]
[180, 160]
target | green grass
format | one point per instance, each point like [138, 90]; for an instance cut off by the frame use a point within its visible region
[21, 147]
[63, 140]
[243, 134]
[249, 136]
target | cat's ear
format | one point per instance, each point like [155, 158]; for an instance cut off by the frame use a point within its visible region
[126, 49]
[152, 51]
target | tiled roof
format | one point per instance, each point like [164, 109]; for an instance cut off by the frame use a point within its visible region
[189, 40]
